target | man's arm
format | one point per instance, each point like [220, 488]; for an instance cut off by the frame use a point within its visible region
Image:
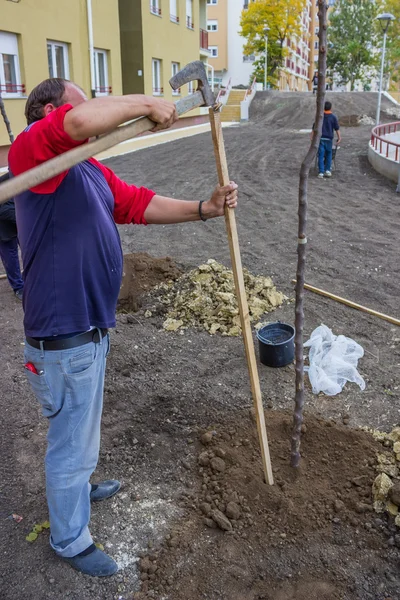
[163, 210]
[101, 115]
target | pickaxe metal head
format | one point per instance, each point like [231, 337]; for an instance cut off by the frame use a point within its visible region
[194, 71]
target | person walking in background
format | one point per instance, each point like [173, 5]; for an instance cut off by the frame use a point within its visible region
[329, 126]
[9, 245]
[315, 82]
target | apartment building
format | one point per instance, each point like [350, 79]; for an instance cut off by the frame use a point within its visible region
[158, 38]
[297, 71]
[40, 39]
[225, 43]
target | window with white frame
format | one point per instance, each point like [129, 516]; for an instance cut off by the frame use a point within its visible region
[212, 25]
[212, 1]
[57, 55]
[155, 7]
[173, 11]
[189, 14]
[213, 50]
[157, 82]
[174, 71]
[10, 77]
[190, 87]
[102, 85]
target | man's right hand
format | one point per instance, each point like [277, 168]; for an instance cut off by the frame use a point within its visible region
[162, 112]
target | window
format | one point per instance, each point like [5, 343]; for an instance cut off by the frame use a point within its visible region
[250, 58]
[173, 11]
[10, 79]
[190, 87]
[212, 25]
[155, 8]
[213, 50]
[189, 14]
[175, 70]
[212, 1]
[101, 72]
[157, 85]
[316, 45]
[57, 55]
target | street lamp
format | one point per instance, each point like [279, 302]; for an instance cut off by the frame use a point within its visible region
[384, 21]
[265, 31]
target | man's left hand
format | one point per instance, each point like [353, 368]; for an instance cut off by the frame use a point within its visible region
[222, 196]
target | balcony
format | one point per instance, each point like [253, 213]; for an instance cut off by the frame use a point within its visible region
[189, 23]
[105, 90]
[203, 39]
[158, 91]
[174, 18]
[13, 88]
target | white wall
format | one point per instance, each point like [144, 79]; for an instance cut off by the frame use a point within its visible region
[239, 71]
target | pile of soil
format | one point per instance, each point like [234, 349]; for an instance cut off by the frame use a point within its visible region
[142, 273]
[243, 539]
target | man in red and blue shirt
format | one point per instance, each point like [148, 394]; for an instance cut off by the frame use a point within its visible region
[72, 260]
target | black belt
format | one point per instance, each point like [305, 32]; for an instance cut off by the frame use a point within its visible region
[65, 343]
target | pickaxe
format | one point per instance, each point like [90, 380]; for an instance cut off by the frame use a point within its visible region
[194, 71]
[222, 168]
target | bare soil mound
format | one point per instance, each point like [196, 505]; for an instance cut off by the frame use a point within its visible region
[304, 538]
[142, 273]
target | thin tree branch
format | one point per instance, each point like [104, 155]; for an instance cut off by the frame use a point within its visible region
[302, 238]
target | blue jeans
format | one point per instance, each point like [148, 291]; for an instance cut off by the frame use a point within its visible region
[325, 155]
[69, 387]
[10, 260]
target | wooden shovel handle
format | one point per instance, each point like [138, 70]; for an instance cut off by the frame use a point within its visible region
[230, 221]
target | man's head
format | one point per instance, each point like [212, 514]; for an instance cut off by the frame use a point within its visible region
[51, 94]
[328, 105]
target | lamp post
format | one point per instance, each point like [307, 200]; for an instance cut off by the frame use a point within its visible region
[384, 21]
[266, 29]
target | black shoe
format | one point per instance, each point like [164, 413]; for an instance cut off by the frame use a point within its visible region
[104, 489]
[18, 294]
[96, 564]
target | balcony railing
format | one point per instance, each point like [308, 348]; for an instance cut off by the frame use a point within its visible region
[12, 88]
[203, 39]
[154, 9]
[158, 91]
[174, 18]
[189, 23]
[101, 89]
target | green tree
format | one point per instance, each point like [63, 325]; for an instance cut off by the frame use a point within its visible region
[282, 18]
[393, 40]
[351, 39]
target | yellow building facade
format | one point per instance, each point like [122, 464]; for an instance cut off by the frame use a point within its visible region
[39, 39]
[158, 38]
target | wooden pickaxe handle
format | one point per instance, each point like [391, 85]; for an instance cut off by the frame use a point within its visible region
[63, 162]
[230, 221]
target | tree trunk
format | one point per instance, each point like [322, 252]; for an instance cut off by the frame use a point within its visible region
[5, 119]
[302, 239]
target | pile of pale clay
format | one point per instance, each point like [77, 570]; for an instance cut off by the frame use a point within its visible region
[386, 487]
[205, 298]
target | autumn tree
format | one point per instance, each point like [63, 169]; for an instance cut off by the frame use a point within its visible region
[351, 40]
[283, 17]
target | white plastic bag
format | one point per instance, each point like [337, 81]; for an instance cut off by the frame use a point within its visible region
[333, 361]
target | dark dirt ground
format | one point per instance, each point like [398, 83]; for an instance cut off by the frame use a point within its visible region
[311, 536]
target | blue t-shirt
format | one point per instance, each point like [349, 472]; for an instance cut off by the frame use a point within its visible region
[71, 250]
[329, 125]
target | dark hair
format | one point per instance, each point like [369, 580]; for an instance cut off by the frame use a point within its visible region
[49, 91]
[328, 105]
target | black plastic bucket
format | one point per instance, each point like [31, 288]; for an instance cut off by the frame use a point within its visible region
[276, 344]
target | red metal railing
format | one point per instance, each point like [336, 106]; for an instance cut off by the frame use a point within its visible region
[174, 18]
[158, 90]
[12, 88]
[101, 89]
[189, 23]
[203, 39]
[225, 91]
[154, 9]
[378, 141]
[249, 91]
